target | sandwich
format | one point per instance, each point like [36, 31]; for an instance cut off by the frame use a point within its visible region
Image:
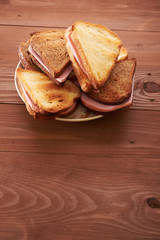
[101, 65]
[117, 92]
[93, 51]
[48, 52]
[102, 75]
[43, 98]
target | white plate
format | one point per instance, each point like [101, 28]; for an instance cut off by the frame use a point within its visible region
[81, 114]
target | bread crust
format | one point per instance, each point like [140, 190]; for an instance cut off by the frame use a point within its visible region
[25, 57]
[49, 30]
[96, 25]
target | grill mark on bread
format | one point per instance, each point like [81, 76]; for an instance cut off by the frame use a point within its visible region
[46, 94]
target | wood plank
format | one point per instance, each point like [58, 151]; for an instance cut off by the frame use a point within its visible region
[142, 45]
[129, 132]
[101, 179]
[123, 15]
[53, 195]
[94, 180]
[147, 88]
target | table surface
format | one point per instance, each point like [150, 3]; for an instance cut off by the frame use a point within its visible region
[83, 181]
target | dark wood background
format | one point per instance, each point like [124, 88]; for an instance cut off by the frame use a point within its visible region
[83, 181]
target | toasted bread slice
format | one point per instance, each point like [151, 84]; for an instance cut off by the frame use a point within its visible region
[81, 76]
[25, 57]
[98, 48]
[45, 94]
[123, 55]
[119, 84]
[51, 47]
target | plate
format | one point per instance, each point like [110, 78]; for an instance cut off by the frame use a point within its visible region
[81, 114]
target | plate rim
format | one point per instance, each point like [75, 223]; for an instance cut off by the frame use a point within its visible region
[57, 118]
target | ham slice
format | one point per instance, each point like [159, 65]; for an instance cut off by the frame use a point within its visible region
[33, 106]
[37, 57]
[74, 50]
[62, 77]
[68, 111]
[101, 107]
[65, 74]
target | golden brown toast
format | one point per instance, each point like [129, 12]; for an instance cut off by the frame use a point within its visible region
[51, 47]
[119, 84]
[123, 55]
[45, 93]
[98, 48]
[81, 76]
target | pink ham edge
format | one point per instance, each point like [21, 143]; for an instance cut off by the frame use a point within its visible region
[62, 77]
[30, 49]
[35, 108]
[70, 109]
[74, 51]
[100, 107]
[65, 74]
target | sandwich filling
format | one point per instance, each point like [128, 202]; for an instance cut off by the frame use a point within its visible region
[36, 109]
[101, 107]
[62, 77]
[32, 105]
[74, 51]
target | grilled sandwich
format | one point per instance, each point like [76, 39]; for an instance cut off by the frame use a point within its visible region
[48, 52]
[117, 92]
[93, 51]
[44, 99]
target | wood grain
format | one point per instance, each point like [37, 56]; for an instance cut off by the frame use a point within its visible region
[94, 180]
[134, 131]
[124, 15]
[51, 191]
[55, 195]
[143, 46]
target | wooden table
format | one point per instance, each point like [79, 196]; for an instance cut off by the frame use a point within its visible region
[83, 181]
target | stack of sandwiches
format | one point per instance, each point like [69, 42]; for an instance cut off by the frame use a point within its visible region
[96, 57]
